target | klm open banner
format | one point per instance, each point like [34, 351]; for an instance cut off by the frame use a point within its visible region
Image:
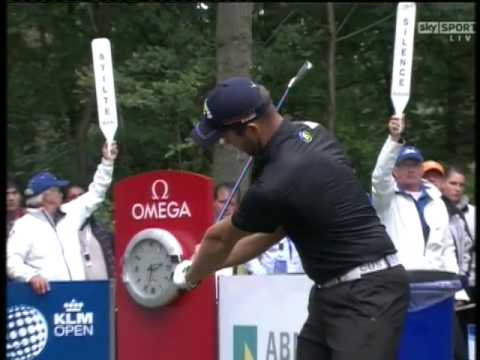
[72, 321]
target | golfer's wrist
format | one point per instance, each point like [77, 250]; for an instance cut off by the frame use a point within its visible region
[191, 283]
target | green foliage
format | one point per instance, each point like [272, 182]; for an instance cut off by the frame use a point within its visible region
[164, 62]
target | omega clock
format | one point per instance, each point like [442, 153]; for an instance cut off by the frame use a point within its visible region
[149, 261]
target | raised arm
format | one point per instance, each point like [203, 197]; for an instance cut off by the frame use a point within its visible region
[383, 183]
[86, 204]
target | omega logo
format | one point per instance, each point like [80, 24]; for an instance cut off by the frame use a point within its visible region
[165, 189]
[161, 207]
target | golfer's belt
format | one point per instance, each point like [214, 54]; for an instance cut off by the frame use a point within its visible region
[384, 263]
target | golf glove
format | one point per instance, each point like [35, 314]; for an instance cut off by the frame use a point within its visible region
[179, 276]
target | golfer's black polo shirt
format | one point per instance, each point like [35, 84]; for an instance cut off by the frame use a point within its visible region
[307, 186]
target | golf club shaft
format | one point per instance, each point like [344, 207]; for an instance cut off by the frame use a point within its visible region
[300, 74]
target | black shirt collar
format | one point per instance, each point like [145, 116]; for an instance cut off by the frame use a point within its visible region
[279, 136]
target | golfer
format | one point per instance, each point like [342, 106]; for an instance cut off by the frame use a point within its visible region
[306, 190]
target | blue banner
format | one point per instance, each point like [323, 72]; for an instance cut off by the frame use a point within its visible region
[72, 321]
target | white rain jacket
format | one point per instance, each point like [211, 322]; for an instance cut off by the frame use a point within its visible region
[402, 221]
[470, 217]
[465, 240]
[38, 247]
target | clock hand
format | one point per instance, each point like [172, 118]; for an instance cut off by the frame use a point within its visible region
[156, 266]
[150, 272]
[152, 268]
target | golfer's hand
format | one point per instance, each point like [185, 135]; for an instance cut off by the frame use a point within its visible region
[112, 154]
[39, 285]
[396, 126]
[179, 274]
[195, 252]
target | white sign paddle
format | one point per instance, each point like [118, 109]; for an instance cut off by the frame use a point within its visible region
[105, 89]
[403, 56]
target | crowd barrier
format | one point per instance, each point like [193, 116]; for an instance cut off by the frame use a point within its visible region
[259, 318]
[73, 321]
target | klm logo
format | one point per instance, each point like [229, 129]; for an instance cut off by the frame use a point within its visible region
[244, 342]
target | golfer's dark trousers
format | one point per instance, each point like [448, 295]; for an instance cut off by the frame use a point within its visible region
[356, 320]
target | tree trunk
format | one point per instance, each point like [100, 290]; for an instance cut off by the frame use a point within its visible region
[234, 40]
[331, 66]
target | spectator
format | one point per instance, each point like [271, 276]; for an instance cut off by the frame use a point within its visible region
[281, 258]
[221, 194]
[463, 234]
[411, 209]
[15, 209]
[96, 243]
[43, 245]
[452, 185]
[433, 172]
[462, 219]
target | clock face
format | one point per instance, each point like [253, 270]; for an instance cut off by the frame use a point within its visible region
[148, 269]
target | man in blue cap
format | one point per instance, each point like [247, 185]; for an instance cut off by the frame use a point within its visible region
[306, 190]
[43, 245]
[410, 207]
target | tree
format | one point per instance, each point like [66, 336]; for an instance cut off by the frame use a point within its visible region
[234, 40]
[332, 32]
[165, 60]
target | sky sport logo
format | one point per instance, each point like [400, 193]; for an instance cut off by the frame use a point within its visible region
[457, 31]
[244, 342]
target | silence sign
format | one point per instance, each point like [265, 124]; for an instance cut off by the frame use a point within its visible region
[403, 56]
[105, 89]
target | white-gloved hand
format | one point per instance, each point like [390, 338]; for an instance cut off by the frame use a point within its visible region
[179, 276]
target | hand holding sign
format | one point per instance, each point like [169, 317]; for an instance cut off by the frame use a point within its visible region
[402, 57]
[105, 89]
[39, 285]
[395, 127]
[110, 152]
